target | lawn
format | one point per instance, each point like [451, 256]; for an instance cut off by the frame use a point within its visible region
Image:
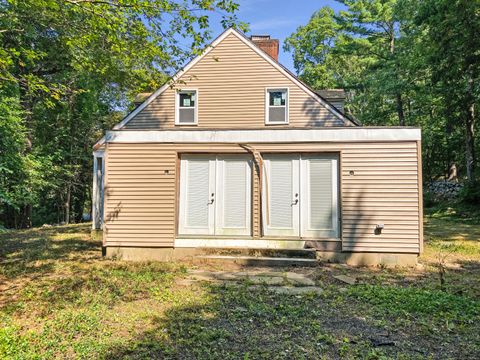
[60, 299]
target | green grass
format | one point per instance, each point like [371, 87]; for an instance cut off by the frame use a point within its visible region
[454, 212]
[453, 229]
[60, 299]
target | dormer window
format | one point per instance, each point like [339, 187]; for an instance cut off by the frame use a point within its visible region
[186, 112]
[276, 109]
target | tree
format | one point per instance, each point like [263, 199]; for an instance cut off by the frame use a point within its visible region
[68, 66]
[406, 62]
[372, 28]
[312, 46]
[453, 50]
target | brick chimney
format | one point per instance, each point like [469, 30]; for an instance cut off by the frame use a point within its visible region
[270, 46]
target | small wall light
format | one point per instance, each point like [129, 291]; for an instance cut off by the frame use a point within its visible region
[379, 228]
[352, 172]
[166, 172]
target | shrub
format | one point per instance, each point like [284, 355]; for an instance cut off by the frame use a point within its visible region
[470, 193]
[428, 199]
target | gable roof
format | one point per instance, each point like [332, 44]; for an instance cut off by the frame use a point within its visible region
[256, 49]
[337, 94]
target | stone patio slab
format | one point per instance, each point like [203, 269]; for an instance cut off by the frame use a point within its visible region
[299, 279]
[346, 279]
[291, 290]
[268, 280]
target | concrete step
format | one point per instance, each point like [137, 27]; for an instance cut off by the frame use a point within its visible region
[259, 260]
[269, 253]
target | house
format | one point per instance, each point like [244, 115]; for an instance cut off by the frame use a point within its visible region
[236, 152]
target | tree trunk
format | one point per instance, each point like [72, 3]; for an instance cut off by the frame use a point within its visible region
[398, 95]
[79, 203]
[401, 115]
[28, 215]
[470, 129]
[470, 142]
[67, 206]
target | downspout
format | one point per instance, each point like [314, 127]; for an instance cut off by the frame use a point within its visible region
[258, 160]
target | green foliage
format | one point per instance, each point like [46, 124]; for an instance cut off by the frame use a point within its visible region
[470, 193]
[20, 173]
[12, 143]
[311, 46]
[459, 212]
[402, 62]
[68, 70]
[11, 345]
[428, 199]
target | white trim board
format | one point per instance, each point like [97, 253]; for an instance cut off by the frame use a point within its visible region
[194, 61]
[98, 194]
[239, 243]
[358, 134]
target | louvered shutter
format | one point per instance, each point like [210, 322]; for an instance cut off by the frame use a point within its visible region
[197, 184]
[234, 196]
[319, 196]
[280, 205]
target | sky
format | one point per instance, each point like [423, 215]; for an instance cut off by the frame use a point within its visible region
[278, 18]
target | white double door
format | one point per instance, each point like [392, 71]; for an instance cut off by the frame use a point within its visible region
[215, 195]
[300, 195]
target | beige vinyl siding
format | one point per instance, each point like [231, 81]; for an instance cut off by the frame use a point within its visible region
[383, 189]
[140, 196]
[231, 82]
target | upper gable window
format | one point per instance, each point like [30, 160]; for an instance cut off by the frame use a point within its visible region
[186, 111]
[276, 108]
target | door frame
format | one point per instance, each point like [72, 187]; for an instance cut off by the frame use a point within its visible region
[302, 182]
[305, 183]
[183, 196]
[280, 232]
[219, 228]
[214, 187]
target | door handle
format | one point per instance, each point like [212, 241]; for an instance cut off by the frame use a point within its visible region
[296, 200]
[212, 199]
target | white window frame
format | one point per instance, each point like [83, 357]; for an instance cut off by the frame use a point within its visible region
[177, 107]
[267, 105]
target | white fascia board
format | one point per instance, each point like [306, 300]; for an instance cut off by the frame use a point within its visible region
[99, 153]
[357, 134]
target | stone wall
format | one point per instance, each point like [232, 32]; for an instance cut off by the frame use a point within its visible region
[444, 190]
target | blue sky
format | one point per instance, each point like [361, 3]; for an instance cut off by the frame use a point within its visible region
[278, 18]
